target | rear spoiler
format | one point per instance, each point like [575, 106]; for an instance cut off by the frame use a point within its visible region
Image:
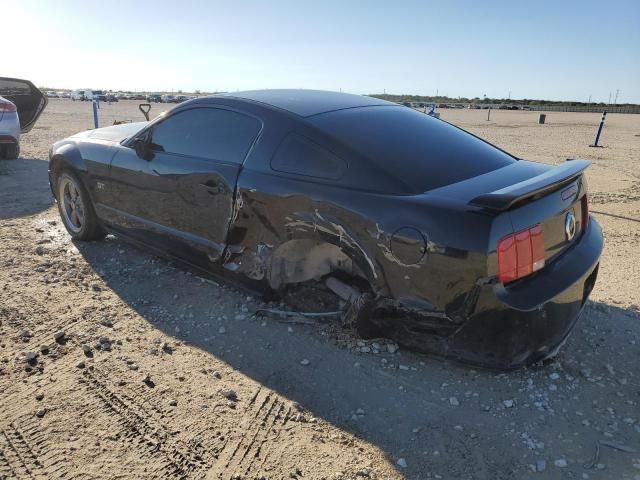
[554, 178]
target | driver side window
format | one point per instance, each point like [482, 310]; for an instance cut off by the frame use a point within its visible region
[209, 133]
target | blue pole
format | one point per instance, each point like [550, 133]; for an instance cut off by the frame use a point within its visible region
[595, 144]
[95, 114]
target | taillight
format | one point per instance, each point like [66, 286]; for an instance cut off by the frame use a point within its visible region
[585, 212]
[520, 254]
[6, 106]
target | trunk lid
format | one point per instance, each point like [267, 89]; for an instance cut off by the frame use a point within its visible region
[521, 197]
[561, 213]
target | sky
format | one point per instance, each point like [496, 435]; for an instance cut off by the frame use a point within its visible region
[556, 50]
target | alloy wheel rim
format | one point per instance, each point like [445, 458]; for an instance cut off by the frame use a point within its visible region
[72, 205]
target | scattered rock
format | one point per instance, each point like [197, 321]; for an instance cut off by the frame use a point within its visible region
[402, 463]
[508, 403]
[554, 376]
[60, 338]
[25, 335]
[44, 349]
[39, 396]
[41, 412]
[87, 350]
[392, 348]
[31, 357]
[173, 403]
[222, 330]
[217, 375]
[454, 401]
[147, 381]
[560, 463]
[541, 465]
[166, 348]
[106, 323]
[305, 362]
[80, 364]
[229, 394]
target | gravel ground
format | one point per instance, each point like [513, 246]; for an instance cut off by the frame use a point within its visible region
[116, 364]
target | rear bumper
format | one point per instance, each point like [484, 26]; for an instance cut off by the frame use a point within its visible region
[521, 324]
[507, 328]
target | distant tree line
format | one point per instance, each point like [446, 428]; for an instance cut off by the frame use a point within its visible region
[480, 101]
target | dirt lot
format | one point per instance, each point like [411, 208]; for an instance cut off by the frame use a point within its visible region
[188, 383]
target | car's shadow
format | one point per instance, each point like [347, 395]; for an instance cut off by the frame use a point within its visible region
[407, 400]
[24, 187]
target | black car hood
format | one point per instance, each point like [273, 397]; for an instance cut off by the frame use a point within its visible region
[115, 133]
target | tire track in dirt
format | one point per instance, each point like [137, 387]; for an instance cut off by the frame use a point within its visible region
[265, 417]
[17, 457]
[174, 458]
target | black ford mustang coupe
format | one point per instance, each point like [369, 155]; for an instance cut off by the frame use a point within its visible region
[453, 246]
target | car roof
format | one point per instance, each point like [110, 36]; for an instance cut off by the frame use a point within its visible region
[307, 103]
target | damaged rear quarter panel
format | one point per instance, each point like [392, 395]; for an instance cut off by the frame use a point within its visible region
[273, 210]
[355, 214]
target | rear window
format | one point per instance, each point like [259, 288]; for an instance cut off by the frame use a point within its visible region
[417, 150]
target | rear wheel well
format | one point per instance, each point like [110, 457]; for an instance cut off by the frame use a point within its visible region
[303, 260]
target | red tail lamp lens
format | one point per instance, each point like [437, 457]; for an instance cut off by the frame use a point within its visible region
[507, 259]
[520, 254]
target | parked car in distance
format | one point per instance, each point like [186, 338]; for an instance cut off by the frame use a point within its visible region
[430, 235]
[168, 98]
[21, 103]
[154, 97]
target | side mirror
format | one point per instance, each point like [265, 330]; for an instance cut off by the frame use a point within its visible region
[141, 146]
[29, 101]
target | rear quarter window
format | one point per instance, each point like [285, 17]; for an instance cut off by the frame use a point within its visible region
[301, 156]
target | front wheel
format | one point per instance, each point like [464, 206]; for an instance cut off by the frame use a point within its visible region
[76, 209]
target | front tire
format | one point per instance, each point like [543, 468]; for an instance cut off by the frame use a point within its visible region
[76, 208]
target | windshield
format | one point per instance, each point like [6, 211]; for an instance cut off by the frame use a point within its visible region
[415, 149]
